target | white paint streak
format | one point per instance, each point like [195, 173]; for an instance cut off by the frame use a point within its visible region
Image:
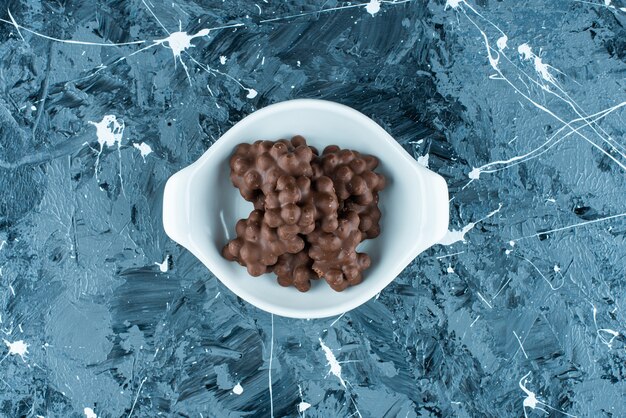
[17, 27]
[544, 277]
[238, 389]
[335, 367]
[338, 318]
[269, 375]
[520, 344]
[570, 226]
[449, 255]
[484, 300]
[614, 334]
[137, 397]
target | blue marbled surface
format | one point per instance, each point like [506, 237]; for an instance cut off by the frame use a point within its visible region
[520, 105]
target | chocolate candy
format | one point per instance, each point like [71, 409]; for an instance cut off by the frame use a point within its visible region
[311, 212]
[356, 184]
[334, 254]
[298, 203]
[255, 168]
[295, 270]
[258, 246]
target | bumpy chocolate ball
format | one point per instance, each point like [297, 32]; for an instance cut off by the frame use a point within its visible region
[356, 184]
[295, 270]
[334, 254]
[258, 246]
[255, 168]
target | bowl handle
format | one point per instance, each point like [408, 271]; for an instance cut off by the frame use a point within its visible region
[435, 206]
[176, 207]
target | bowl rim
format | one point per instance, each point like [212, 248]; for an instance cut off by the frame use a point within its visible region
[365, 293]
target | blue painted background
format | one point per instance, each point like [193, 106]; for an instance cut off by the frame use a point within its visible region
[520, 105]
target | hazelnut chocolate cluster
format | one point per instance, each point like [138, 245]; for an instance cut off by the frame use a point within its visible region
[310, 213]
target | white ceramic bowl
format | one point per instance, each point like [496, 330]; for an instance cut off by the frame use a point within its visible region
[201, 206]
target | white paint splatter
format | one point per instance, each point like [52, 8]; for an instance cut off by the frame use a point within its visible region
[17, 348]
[252, 93]
[181, 41]
[531, 400]
[89, 413]
[303, 406]
[450, 270]
[542, 69]
[423, 160]
[238, 389]
[501, 42]
[454, 236]
[474, 174]
[453, 4]
[335, 367]
[144, 149]
[373, 7]
[109, 131]
[525, 51]
[165, 265]
[223, 59]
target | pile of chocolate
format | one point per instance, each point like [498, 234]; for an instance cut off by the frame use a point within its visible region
[310, 213]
